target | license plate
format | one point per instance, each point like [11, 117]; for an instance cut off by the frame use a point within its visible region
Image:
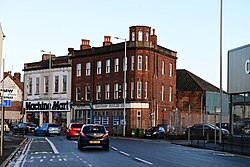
[32, 130]
[148, 135]
[94, 142]
[55, 131]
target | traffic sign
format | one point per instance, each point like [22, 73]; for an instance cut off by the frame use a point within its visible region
[6, 103]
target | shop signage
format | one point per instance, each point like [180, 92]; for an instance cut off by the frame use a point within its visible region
[9, 93]
[55, 105]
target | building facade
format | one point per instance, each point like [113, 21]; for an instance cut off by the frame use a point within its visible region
[98, 81]
[47, 90]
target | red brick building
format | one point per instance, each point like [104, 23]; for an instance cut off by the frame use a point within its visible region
[98, 80]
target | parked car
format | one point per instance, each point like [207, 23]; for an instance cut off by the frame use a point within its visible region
[48, 129]
[93, 135]
[224, 125]
[24, 128]
[73, 130]
[155, 132]
[197, 129]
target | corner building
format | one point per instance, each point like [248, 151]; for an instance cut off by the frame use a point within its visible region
[98, 81]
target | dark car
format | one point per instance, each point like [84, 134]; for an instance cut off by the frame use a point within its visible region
[48, 129]
[73, 130]
[93, 135]
[24, 128]
[197, 129]
[155, 132]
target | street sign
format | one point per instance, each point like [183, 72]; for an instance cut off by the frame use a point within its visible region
[6, 103]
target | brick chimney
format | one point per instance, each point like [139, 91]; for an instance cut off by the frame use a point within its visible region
[154, 39]
[17, 75]
[107, 41]
[85, 44]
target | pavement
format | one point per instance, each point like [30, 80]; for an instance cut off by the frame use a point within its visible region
[12, 145]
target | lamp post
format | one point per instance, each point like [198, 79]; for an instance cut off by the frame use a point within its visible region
[221, 7]
[124, 85]
[49, 79]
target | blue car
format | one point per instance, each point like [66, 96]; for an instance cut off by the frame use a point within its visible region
[48, 129]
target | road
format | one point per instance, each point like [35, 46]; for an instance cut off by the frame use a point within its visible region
[57, 151]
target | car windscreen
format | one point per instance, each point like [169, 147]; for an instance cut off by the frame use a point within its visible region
[76, 125]
[53, 125]
[94, 129]
[152, 129]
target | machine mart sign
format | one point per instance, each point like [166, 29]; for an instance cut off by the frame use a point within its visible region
[46, 105]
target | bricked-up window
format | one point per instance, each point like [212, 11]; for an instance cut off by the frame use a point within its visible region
[37, 86]
[78, 70]
[146, 90]
[56, 86]
[107, 91]
[132, 63]
[140, 36]
[99, 67]
[108, 66]
[64, 86]
[87, 92]
[30, 86]
[162, 92]
[88, 68]
[78, 93]
[170, 94]
[133, 36]
[117, 65]
[132, 90]
[98, 92]
[170, 69]
[125, 95]
[138, 120]
[147, 36]
[146, 63]
[162, 67]
[46, 84]
[139, 88]
[116, 90]
[139, 62]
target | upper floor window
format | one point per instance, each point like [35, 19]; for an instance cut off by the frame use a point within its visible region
[162, 67]
[30, 85]
[147, 36]
[133, 36]
[64, 86]
[87, 92]
[78, 93]
[88, 68]
[98, 92]
[37, 86]
[132, 94]
[78, 70]
[139, 62]
[125, 90]
[108, 66]
[132, 63]
[56, 86]
[107, 91]
[146, 90]
[46, 84]
[99, 67]
[162, 92]
[139, 88]
[170, 94]
[116, 90]
[140, 36]
[170, 69]
[146, 63]
[117, 65]
[125, 64]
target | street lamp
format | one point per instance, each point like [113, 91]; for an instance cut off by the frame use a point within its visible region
[124, 85]
[49, 52]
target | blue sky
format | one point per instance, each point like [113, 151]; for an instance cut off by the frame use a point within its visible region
[190, 27]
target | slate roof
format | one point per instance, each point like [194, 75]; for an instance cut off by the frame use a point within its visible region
[187, 81]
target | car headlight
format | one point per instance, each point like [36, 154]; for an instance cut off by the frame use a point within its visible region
[154, 133]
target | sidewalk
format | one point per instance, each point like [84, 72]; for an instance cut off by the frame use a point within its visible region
[12, 144]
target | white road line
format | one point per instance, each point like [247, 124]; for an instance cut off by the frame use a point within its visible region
[114, 148]
[52, 146]
[139, 159]
[124, 153]
[75, 142]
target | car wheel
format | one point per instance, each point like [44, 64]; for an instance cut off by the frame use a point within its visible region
[80, 147]
[105, 147]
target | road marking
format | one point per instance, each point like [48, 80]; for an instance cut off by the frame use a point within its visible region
[51, 160]
[124, 153]
[41, 160]
[75, 142]
[114, 148]
[52, 146]
[139, 159]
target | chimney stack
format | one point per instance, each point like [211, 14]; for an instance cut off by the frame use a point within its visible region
[85, 44]
[154, 39]
[107, 41]
[17, 75]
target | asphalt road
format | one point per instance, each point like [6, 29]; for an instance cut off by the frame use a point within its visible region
[57, 151]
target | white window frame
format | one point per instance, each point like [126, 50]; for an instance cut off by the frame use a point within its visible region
[147, 36]
[139, 62]
[56, 84]
[98, 92]
[132, 94]
[88, 69]
[108, 66]
[146, 63]
[125, 90]
[139, 89]
[116, 91]
[132, 63]
[87, 92]
[30, 86]
[46, 84]
[138, 118]
[162, 92]
[78, 93]
[107, 91]
[116, 65]
[125, 65]
[140, 35]
[146, 90]
[64, 84]
[78, 69]
[99, 67]
[37, 86]
[133, 36]
[162, 67]
[170, 94]
[170, 69]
